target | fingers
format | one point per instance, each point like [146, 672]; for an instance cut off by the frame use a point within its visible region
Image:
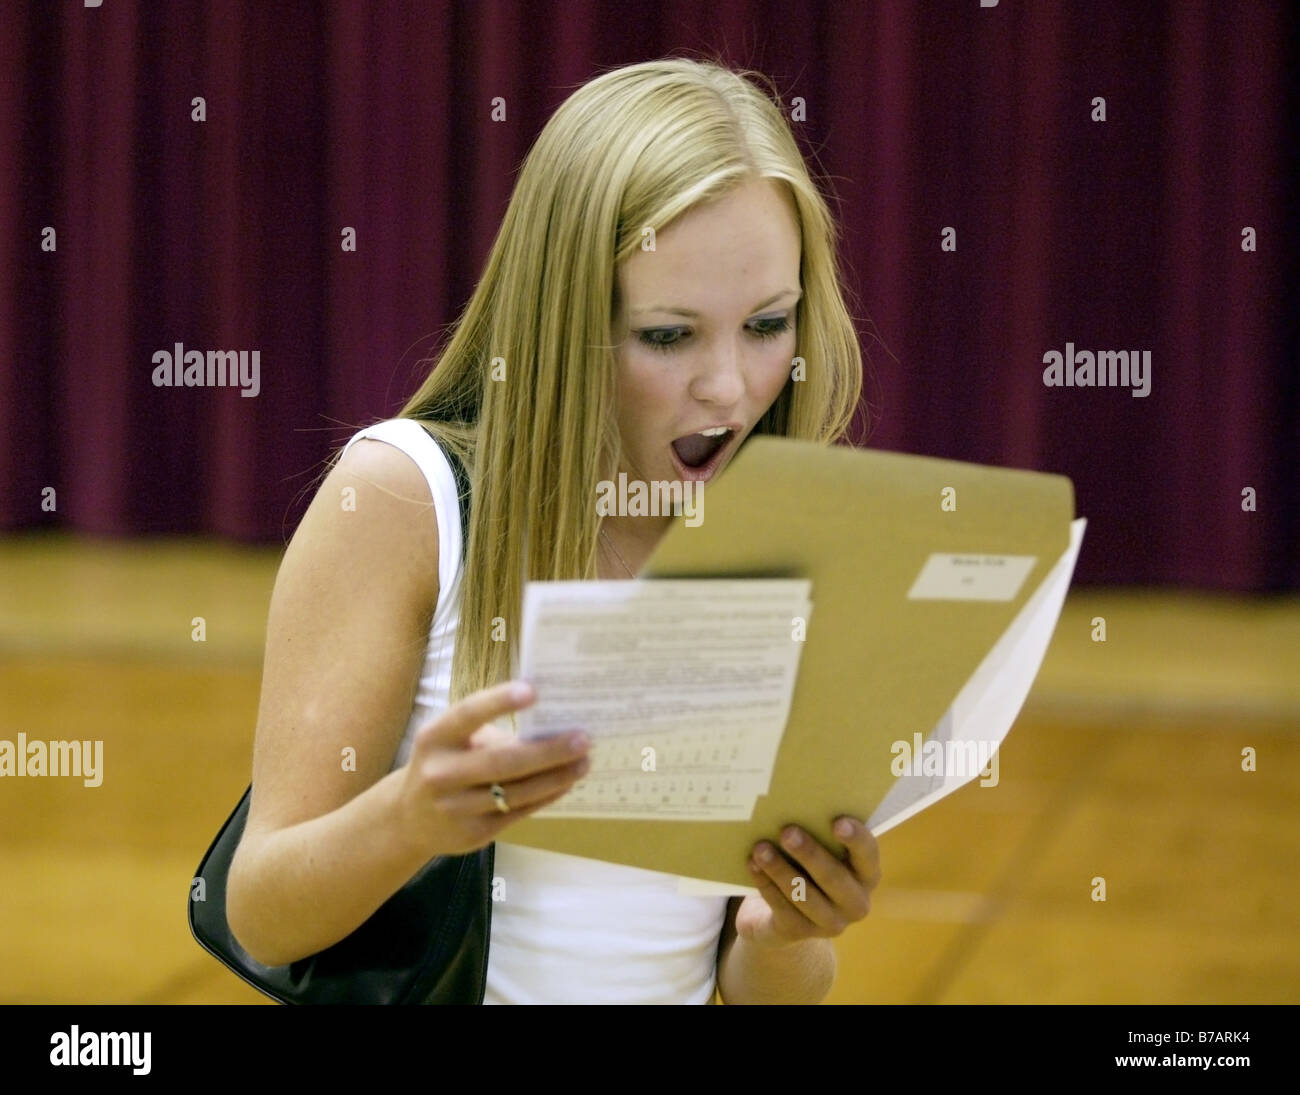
[835, 878]
[532, 792]
[800, 895]
[864, 852]
[517, 761]
[456, 758]
[835, 892]
[521, 797]
[485, 826]
[456, 725]
[481, 753]
[789, 920]
[491, 737]
[496, 820]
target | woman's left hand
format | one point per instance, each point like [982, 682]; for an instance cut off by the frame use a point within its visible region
[806, 891]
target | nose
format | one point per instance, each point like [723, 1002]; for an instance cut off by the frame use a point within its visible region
[721, 377]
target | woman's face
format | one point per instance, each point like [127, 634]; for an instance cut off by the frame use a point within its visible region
[734, 266]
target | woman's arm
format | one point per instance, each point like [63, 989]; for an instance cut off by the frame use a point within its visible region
[331, 833]
[345, 641]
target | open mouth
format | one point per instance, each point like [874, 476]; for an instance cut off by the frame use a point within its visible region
[698, 455]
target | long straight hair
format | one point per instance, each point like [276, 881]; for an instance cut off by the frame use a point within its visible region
[524, 390]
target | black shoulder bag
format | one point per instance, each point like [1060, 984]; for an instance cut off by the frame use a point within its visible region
[427, 944]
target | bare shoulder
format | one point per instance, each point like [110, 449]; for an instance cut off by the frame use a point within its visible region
[385, 467]
[373, 519]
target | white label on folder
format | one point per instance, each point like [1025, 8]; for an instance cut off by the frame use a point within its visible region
[971, 577]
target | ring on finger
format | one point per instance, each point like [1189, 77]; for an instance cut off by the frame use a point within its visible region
[499, 797]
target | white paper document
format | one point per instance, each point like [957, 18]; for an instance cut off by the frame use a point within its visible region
[683, 685]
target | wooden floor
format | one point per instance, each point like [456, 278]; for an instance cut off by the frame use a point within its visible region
[1126, 764]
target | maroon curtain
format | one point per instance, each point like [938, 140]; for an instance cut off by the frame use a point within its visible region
[1122, 234]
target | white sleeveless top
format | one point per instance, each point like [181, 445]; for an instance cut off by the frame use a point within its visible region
[565, 929]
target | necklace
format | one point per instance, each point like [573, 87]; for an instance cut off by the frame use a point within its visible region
[610, 544]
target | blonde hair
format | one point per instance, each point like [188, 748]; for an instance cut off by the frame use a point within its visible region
[524, 391]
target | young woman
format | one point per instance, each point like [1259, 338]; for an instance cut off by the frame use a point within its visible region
[664, 261]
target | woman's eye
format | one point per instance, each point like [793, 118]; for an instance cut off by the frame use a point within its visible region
[773, 327]
[651, 338]
[667, 338]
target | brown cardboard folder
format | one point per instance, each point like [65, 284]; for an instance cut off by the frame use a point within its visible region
[876, 667]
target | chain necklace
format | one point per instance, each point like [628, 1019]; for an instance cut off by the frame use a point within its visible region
[610, 544]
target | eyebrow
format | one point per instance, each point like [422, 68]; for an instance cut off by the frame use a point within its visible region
[695, 315]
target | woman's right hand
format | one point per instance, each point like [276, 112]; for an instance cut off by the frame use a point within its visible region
[446, 804]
